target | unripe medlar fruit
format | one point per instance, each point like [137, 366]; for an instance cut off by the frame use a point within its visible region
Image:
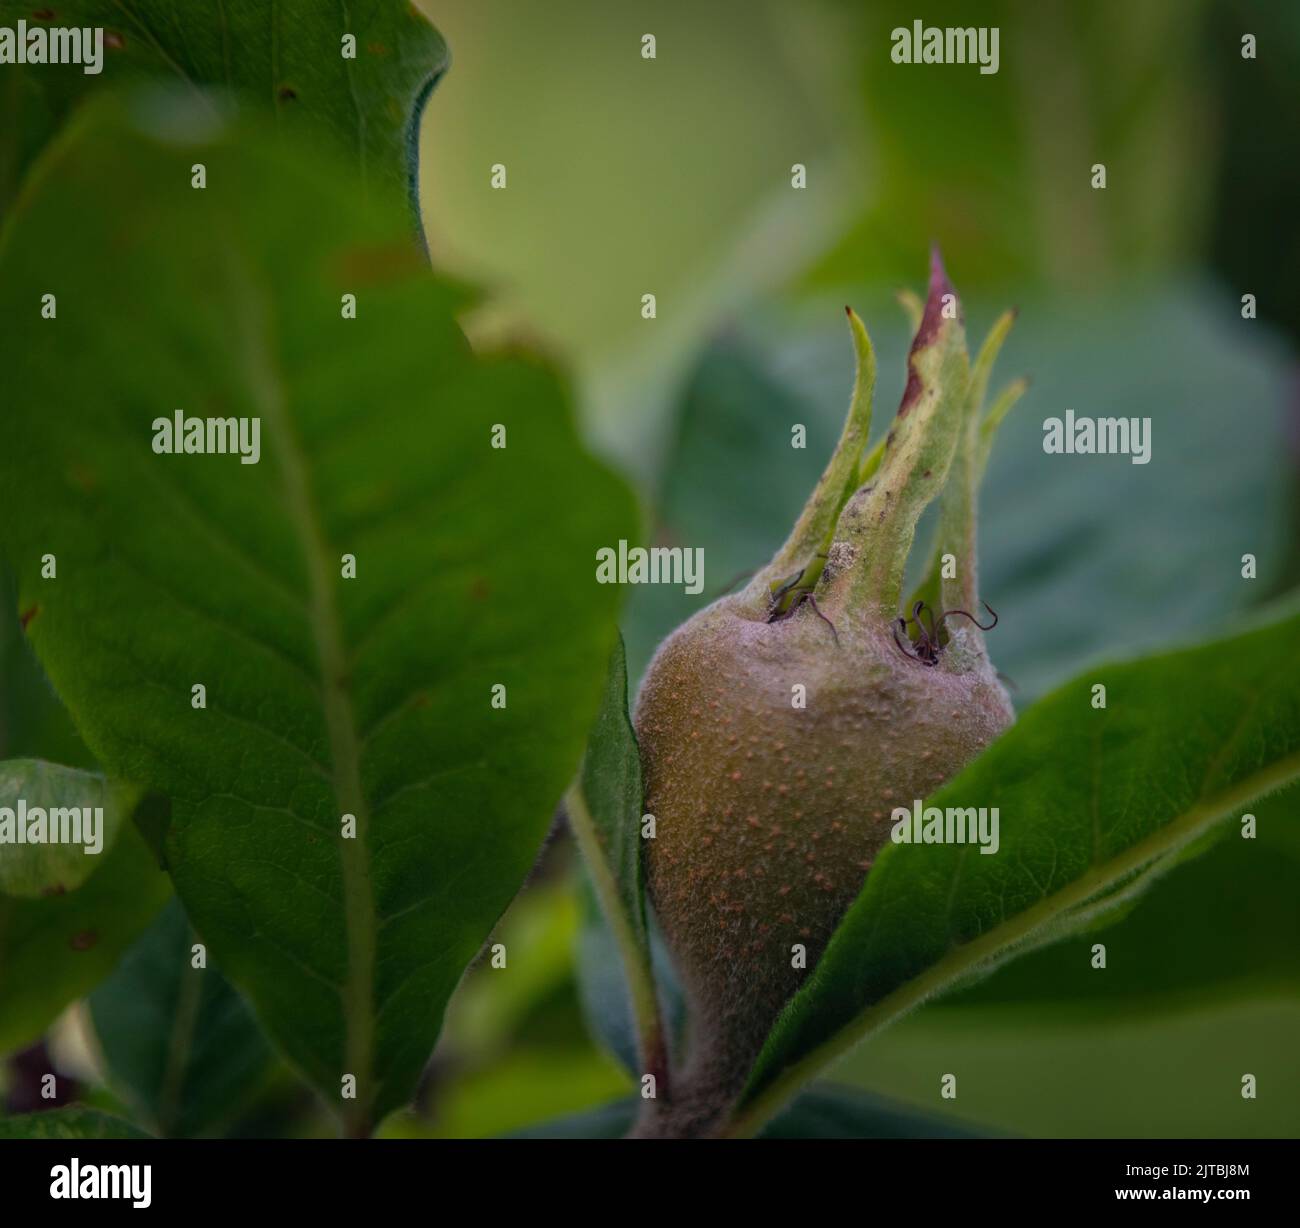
[780, 726]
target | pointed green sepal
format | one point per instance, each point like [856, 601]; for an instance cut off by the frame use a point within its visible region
[798, 564]
[876, 527]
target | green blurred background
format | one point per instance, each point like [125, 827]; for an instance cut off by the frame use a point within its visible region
[673, 176]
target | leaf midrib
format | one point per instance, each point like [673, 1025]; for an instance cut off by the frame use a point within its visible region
[266, 384]
[960, 961]
[180, 1043]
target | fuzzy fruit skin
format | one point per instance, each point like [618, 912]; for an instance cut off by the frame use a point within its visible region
[768, 817]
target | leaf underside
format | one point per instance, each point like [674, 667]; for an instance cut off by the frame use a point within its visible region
[325, 696]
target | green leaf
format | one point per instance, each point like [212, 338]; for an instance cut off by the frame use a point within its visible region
[325, 696]
[55, 950]
[33, 724]
[610, 787]
[603, 984]
[284, 59]
[178, 1039]
[1224, 924]
[604, 811]
[603, 981]
[1091, 801]
[73, 1123]
[41, 869]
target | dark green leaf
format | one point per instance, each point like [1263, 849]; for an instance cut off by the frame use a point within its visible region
[33, 870]
[610, 781]
[284, 59]
[325, 696]
[68, 1124]
[57, 949]
[179, 1039]
[604, 811]
[1093, 804]
[1223, 924]
[602, 984]
[33, 724]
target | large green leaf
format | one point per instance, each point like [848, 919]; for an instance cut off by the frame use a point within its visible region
[179, 1039]
[73, 1123]
[1093, 804]
[1223, 924]
[50, 868]
[325, 696]
[56, 949]
[285, 59]
[33, 724]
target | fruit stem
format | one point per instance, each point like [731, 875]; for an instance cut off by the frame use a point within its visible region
[633, 947]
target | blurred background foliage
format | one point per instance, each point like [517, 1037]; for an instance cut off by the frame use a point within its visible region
[672, 177]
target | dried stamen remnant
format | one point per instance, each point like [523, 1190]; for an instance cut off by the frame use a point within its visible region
[929, 642]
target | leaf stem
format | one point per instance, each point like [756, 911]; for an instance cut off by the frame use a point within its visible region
[636, 959]
[179, 1042]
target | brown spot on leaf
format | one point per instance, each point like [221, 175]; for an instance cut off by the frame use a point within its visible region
[113, 40]
[377, 263]
[27, 615]
[82, 476]
[84, 940]
[287, 93]
[43, 14]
